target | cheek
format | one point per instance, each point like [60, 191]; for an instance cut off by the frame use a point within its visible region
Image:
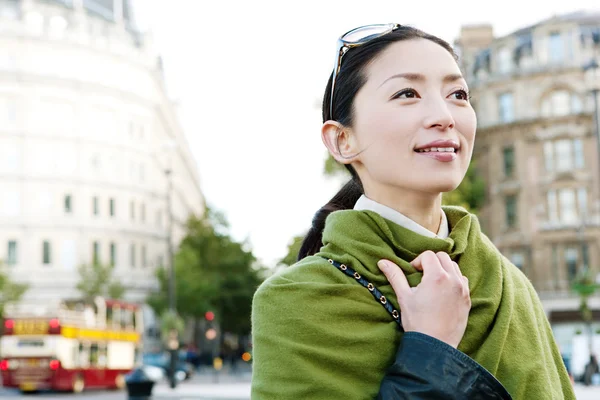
[387, 128]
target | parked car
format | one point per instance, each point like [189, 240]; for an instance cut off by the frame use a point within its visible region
[162, 360]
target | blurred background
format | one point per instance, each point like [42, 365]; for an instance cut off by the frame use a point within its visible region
[151, 153]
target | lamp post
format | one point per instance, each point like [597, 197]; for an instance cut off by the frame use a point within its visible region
[173, 342]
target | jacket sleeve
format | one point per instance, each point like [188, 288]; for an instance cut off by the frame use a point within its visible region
[426, 368]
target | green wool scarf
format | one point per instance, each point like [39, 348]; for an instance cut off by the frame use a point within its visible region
[318, 334]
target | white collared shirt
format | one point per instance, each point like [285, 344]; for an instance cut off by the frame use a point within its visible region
[364, 203]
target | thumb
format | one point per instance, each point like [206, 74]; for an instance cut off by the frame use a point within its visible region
[396, 277]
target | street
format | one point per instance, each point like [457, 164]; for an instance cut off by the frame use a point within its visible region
[204, 387]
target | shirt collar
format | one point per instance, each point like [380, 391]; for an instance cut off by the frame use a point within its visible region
[364, 203]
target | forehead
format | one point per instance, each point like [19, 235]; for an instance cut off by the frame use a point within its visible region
[416, 56]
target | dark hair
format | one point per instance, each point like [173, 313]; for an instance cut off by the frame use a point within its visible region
[349, 80]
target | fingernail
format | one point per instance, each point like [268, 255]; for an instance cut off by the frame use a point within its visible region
[382, 265]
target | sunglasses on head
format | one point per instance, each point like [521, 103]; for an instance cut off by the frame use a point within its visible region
[354, 38]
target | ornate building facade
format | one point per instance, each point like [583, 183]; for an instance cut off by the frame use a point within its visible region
[537, 151]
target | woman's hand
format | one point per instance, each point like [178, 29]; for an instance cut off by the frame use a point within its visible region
[439, 306]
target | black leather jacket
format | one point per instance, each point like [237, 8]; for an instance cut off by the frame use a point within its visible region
[429, 369]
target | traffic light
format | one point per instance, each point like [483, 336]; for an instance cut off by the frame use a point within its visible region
[210, 316]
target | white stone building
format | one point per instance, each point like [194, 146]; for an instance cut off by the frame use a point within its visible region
[86, 133]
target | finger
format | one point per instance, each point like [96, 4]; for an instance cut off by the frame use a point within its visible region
[466, 283]
[446, 262]
[396, 277]
[427, 255]
[457, 269]
[430, 264]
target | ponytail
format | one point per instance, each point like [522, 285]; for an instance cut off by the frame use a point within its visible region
[345, 199]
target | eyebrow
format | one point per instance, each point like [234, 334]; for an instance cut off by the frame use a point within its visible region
[411, 76]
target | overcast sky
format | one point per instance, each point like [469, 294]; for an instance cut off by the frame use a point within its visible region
[249, 76]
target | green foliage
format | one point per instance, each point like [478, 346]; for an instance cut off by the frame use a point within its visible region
[212, 273]
[333, 168]
[10, 292]
[169, 321]
[470, 194]
[292, 251]
[96, 280]
[585, 286]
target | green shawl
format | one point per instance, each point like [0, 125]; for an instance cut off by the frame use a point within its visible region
[318, 334]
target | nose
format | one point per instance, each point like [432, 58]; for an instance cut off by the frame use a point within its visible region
[438, 115]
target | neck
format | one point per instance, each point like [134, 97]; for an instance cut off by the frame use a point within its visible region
[425, 209]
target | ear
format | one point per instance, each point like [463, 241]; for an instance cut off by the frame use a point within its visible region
[339, 141]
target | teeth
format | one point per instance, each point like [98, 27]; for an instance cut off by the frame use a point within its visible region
[438, 149]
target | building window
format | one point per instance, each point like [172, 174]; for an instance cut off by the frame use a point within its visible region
[511, 210]
[506, 107]
[144, 260]
[509, 161]
[113, 254]
[11, 258]
[46, 253]
[552, 206]
[578, 154]
[69, 254]
[143, 212]
[564, 155]
[11, 205]
[582, 202]
[68, 204]
[132, 255]
[556, 48]
[571, 260]
[96, 253]
[111, 207]
[560, 103]
[518, 259]
[505, 60]
[96, 205]
[132, 210]
[568, 210]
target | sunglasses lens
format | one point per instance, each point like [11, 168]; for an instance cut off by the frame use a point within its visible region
[365, 33]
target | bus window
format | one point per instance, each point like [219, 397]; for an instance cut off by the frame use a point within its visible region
[129, 319]
[102, 356]
[84, 355]
[94, 355]
[109, 318]
[116, 317]
[124, 317]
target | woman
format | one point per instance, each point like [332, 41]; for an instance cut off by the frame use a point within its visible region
[396, 113]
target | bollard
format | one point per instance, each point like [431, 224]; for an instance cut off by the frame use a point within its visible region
[139, 385]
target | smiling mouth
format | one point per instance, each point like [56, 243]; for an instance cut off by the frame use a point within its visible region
[437, 150]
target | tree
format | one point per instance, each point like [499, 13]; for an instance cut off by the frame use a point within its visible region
[585, 286]
[96, 280]
[213, 273]
[10, 292]
[470, 194]
[292, 251]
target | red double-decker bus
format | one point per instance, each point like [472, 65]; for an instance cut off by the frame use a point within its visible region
[70, 345]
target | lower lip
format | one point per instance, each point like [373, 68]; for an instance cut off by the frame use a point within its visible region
[440, 156]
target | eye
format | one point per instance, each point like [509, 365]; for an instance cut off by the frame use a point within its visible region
[461, 95]
[406, 94]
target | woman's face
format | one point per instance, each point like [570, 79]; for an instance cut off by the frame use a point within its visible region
[414, 126]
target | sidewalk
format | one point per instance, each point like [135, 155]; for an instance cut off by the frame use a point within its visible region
[207, 386]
